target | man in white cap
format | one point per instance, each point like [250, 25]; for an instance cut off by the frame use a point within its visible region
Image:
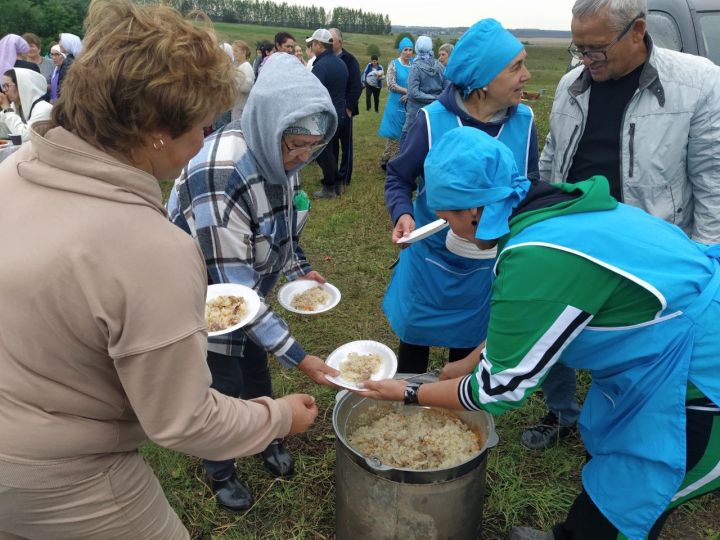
[333, 74]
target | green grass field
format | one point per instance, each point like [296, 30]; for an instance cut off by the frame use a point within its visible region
[348, 241]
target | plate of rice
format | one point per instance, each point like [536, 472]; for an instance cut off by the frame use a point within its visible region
[308, 297]
[229, 306]
[360, 361]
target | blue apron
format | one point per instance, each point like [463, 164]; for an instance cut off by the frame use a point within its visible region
[393, 118]
[633, 420]
[435, 297]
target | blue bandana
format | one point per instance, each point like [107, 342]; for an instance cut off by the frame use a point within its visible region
[469, 169]
[480, 55]
[404, 42]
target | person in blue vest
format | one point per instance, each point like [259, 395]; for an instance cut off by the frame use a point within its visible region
[394, 116]
[623, 294]
[440, 291]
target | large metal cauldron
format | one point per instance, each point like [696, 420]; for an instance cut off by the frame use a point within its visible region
[377, 502]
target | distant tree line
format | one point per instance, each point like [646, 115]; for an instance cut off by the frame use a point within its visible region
[46, 18]
[267, 13]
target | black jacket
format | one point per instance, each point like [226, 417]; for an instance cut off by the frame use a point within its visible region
[333, 74]
[69, 59]
[354, 85]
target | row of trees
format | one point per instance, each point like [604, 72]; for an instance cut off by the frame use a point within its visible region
[46, 18]
[268, 13]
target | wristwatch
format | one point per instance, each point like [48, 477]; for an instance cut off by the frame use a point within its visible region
[9, 109]
[411, 393]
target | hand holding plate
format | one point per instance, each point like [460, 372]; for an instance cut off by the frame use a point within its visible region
[316, 369]
[385, 390]
[315, 276]
[404, 226]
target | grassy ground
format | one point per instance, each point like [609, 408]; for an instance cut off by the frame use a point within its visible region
[347, 240]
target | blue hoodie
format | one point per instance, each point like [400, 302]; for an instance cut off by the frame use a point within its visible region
[403, 171]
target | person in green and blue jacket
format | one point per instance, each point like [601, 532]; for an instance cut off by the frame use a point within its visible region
[623, 294]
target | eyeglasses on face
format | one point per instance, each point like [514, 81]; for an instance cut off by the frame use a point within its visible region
[6, 86]
[296, 151]
[600, 55]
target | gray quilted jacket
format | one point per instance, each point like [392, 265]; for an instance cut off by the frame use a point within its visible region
[669, 144]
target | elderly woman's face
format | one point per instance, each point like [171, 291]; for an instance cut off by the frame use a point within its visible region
[57, 58]
[506, 89]
[406, 53]
[299, 149]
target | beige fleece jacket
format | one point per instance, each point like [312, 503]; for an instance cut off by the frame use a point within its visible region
[102, 331]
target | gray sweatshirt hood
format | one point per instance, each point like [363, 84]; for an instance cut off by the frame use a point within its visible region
[429, 65]
[285, 92]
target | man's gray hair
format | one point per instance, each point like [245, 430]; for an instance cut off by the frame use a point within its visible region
[338, 32]
[620, 12]
[447, 47]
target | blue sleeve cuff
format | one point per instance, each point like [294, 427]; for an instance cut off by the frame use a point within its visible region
[294, 355]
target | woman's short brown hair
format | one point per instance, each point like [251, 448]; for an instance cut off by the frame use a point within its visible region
[143, 68]
[32, 39]
[242, 46]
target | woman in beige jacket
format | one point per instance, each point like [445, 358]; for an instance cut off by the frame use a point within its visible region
[103, 338]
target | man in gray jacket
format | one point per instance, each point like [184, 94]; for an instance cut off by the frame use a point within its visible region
[648, 119]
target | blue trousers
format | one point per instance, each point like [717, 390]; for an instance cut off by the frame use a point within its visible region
[247, 377]
[559, 391]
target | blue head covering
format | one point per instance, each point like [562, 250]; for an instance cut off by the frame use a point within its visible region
[480, 55]
[424, 47]
[405, 42]
[468, 169]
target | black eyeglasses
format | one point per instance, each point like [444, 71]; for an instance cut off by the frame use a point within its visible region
[600, 55]
[298, 151]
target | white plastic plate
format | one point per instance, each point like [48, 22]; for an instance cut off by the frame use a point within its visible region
[234, 289]
[287, 292]
[339, 355]
[423, 232]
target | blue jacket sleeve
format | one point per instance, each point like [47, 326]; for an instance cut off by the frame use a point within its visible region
[403, 171]
[365, 73]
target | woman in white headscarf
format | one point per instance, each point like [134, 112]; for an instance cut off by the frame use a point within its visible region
[23, 101]
[58, 57]
[71, 46]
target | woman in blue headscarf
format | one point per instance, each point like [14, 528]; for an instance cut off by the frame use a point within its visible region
[593, 284]
[425, 82]
[394, 115]
[439, 293]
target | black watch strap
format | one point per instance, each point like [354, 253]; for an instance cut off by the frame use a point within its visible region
[411, 393]
[9, 110]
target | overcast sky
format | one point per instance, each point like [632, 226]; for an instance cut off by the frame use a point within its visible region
[544, 14]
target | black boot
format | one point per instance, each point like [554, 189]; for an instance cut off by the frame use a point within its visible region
[277, 459]
[232, 493]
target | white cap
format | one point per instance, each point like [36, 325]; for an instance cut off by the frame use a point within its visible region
[322, 35]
